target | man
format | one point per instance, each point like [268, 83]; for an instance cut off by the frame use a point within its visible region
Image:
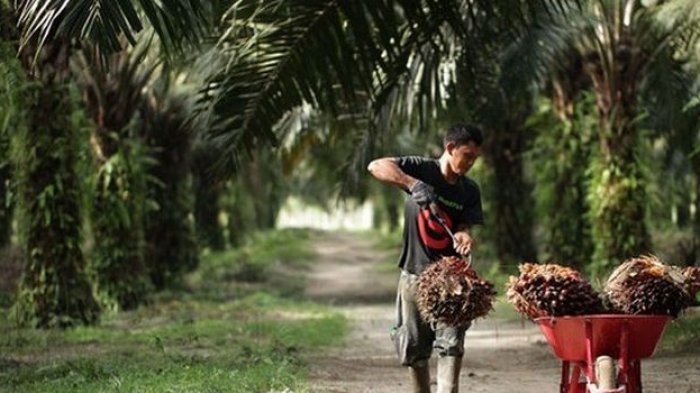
[437, 187]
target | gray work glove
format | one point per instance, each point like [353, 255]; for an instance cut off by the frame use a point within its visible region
[423, 193]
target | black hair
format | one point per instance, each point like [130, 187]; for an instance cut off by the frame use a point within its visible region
[463, 133]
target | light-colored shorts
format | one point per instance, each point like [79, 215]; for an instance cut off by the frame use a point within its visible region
[414, 338]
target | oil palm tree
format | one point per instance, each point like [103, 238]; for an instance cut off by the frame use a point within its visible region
[566, 148]
[171, 248]
[113, 93]
[674, 113]
[8, 120]
[561, 154]
[55, 290]
[208, 192]
[622, 44]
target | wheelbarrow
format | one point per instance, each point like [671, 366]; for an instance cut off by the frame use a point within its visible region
[591, 345]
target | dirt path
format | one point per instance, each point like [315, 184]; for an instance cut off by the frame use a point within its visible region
[500, 356]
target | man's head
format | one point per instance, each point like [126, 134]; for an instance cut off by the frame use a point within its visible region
[462, 144]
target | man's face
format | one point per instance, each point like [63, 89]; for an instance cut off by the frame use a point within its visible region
[462, 157]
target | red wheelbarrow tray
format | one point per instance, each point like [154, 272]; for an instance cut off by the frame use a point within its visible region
[568, 335]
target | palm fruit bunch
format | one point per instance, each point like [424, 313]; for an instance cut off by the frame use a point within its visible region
[451, 293]
[550, 290]
[644, 285]
[692, 280]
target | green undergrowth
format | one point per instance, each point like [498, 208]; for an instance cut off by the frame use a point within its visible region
[385, 240]
[221, 332]
[389, 244]
[273, 260]
[683, 334]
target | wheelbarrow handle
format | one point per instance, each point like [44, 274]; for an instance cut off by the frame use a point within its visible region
[436, 216]
[433, 209]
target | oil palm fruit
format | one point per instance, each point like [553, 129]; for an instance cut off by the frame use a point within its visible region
[451, 293]
[645, 285]
[692, 280]
[552, 290]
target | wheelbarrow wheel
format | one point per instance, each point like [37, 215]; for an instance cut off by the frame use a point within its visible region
[605, 373]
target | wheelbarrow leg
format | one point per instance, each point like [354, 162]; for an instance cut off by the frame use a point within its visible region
[564, 385]
[636, 376]
[590, 361]
[571, 384]
[626, 374]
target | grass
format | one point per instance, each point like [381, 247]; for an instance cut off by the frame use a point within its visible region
[258, 257]
[388, 243]
[384, 240]
[683, 334]
[223, 331]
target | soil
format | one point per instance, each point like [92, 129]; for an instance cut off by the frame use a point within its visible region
[500, 356]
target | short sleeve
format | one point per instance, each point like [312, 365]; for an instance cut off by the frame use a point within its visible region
[414, 166]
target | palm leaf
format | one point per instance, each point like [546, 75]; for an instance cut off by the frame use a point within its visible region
[103, 22]
[284, 54]
[113, 92]
[341, 55]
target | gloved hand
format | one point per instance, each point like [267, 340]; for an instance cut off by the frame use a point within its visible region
[423, 193]
[463, 243]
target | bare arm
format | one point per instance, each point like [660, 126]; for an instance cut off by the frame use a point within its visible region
[386, 170]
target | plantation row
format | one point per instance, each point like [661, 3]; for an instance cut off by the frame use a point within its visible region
[136, 134]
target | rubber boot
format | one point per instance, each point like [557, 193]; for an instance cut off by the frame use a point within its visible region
[448, 368]
[420, 379]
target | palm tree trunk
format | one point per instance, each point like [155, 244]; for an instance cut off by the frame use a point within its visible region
[510, 195]
[117, 222]
[566, 157]
[617, 194]
[695, 163]
[8, 53]
[7, 202]
[236, 226]
[112, 97]
[391, 205]
[207, 207]
[54, 291]
[386, 209]
[8, 121]
[171, 247]
[118, 262]
[264, 188]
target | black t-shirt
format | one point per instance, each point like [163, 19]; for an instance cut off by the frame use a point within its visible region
[424, 239]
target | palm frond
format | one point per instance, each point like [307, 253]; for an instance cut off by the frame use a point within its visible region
[285, 53]
[682, 17]
[338, 55]
[113, 92]
[103, 22]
